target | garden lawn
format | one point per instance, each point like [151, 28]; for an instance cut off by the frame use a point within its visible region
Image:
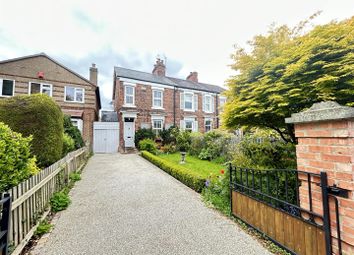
[203, 167]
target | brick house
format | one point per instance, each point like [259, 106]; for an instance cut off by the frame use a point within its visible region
[154, 100]
[76, 96]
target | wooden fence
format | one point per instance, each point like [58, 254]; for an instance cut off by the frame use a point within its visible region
[30, 199]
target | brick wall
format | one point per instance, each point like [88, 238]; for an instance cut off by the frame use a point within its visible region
[25, 70]
[143, 103]
[326, 143]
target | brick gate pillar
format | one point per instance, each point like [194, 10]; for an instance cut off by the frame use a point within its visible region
[325, 134]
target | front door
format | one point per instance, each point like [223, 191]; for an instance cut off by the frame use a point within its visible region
[129, 132]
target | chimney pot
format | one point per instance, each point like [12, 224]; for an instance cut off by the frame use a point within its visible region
[193, 76]
[159, 68]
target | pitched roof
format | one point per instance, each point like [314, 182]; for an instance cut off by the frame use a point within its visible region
[42, 54]
[165, 80]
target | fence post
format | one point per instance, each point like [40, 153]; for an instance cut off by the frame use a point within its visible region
[5, 222]
[230, 186]
[326, 216]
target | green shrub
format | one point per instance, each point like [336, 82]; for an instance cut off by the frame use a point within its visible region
[168, 136]
[215, 145]
[148, 145]
[59, 201]
[16, 162]
[265, 150]
[75, 177]
[143, 133]
[43, 228]
[169, 148]
[37, 115]
[182, 174]
[197, 143]
[68, 144]
[183, 140]
[73, 132]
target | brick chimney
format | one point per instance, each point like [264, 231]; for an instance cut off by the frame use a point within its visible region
[193, 76]
[93, 74]
[159, 68]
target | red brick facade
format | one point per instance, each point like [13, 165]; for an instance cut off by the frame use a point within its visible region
[171, 112]
[328, 145]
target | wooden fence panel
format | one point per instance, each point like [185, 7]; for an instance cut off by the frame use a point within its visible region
[30, 199]
[297, 235]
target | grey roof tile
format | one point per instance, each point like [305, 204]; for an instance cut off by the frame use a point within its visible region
[180, 83]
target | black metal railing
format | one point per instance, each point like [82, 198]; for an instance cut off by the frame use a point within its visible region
[5, 204]
[278, 188]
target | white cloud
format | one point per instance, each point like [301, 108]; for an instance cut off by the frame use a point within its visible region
[198, 34]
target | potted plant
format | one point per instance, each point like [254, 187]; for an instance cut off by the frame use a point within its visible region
[183, 143]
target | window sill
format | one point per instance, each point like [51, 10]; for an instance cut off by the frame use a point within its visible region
[188, 110]
[75, 102]
[129, 105]
[208, 112]
[157, 108]
[5, 96]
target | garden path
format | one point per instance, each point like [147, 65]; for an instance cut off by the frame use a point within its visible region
[125, 205]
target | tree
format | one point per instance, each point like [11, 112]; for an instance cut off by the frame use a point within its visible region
[287, 71]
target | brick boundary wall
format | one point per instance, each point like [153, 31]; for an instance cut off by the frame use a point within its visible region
[325, 134]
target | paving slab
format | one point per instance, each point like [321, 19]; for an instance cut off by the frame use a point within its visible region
[126, 205]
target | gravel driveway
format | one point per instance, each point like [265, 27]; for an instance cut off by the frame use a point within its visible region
[125, 205]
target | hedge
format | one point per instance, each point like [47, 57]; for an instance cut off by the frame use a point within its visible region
[184, 175]
[37, 115]
[16, 162]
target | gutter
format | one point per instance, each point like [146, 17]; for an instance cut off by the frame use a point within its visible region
[174, 106]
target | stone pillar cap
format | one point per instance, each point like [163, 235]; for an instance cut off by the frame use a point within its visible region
[323, 111]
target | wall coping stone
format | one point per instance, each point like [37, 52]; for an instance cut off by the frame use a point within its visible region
[323, 111]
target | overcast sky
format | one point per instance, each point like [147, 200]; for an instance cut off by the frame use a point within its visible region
[194, 35]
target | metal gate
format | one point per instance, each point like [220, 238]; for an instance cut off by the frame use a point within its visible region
[105, 137]
[269, 201]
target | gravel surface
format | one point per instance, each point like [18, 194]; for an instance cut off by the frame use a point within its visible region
[125, 205]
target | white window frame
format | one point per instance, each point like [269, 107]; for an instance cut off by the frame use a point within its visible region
[157, 130]
[13, 88]
[185, 125]
[184, 103]
[211, 124]
[41, 88]
[194, 124]
[153, 98]
[125, 95]
[79, 123]
[75, 92]
[209, 97]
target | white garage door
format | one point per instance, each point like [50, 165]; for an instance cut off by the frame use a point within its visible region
[105, 137]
